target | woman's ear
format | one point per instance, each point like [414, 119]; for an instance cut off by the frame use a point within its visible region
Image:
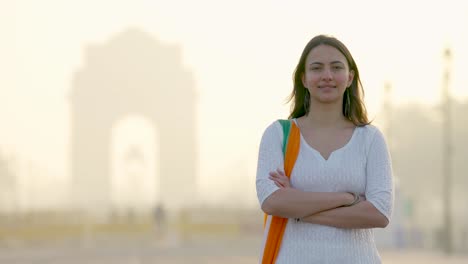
[350, 78]
[303, 80]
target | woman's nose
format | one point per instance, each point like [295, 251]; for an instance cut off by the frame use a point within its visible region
[327, 74]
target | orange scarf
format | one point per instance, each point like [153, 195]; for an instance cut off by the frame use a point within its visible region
[278, 224]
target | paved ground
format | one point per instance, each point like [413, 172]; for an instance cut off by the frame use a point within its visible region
[143, 250]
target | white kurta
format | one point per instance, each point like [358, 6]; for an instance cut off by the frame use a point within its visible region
[363, 165]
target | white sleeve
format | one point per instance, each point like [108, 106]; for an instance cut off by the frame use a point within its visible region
[270, 157]
[379, 184]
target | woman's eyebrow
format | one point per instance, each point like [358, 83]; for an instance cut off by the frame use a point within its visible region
[333, 62]
[316, 62]
[321, 63]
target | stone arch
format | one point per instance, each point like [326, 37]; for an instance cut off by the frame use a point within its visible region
[132, 73]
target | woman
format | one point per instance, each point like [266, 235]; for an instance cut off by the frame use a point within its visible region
[341, 185]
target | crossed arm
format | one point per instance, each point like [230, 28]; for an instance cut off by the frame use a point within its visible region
[324, 208]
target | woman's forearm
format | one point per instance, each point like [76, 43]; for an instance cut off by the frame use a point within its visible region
[293, 203]
[361, 215]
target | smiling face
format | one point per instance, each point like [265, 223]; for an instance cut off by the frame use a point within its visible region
[326, 75]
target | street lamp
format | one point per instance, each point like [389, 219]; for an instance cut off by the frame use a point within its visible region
[447, 156]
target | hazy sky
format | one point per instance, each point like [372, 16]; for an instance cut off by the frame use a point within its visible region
[242, 54]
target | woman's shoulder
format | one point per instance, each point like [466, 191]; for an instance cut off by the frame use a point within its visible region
[273, 132]
[273, 127]
[369, 128]
[370, 132]
[278, 123]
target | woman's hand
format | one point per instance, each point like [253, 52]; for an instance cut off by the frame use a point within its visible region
[279, 178]
[362, 197]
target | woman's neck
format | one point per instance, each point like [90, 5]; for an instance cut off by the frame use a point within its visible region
[325, 116]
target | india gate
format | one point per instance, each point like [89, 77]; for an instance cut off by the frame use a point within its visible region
[132, 74]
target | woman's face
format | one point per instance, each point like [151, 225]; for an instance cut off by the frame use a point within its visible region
[326, 75]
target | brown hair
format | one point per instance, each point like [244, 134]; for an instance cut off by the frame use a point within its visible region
[354, 109]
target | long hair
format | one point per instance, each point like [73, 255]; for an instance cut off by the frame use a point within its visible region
[353, 108]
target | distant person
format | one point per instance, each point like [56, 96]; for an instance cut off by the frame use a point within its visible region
[341, 186]
[160, 219]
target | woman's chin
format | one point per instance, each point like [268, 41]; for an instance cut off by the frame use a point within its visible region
[329, 99]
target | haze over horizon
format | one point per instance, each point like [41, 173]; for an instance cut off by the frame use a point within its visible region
[241, 55]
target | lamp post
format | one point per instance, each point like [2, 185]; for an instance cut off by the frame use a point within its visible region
[447, 156]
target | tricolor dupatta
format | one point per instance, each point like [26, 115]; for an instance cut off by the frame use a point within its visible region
[291, 144]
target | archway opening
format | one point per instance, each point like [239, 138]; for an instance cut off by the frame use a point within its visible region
[135, 172]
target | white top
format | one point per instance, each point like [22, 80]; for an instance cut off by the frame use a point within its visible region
[363, 165]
